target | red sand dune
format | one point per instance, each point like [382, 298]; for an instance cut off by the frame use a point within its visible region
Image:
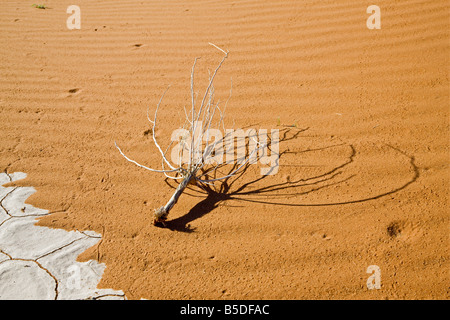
[363, 178]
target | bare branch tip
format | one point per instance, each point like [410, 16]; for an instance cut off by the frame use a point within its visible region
[225, 52]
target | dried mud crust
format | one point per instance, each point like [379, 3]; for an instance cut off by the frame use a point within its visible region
[39, 263]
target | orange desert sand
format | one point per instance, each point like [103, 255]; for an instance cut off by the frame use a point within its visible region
[364, 141]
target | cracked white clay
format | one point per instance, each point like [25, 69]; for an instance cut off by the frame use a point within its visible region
[39, 263]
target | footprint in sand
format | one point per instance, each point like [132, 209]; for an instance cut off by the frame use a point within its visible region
[71, 92]
[403, 230]
[74, 90]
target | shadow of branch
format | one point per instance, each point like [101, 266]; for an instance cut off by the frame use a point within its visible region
[270, 193]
